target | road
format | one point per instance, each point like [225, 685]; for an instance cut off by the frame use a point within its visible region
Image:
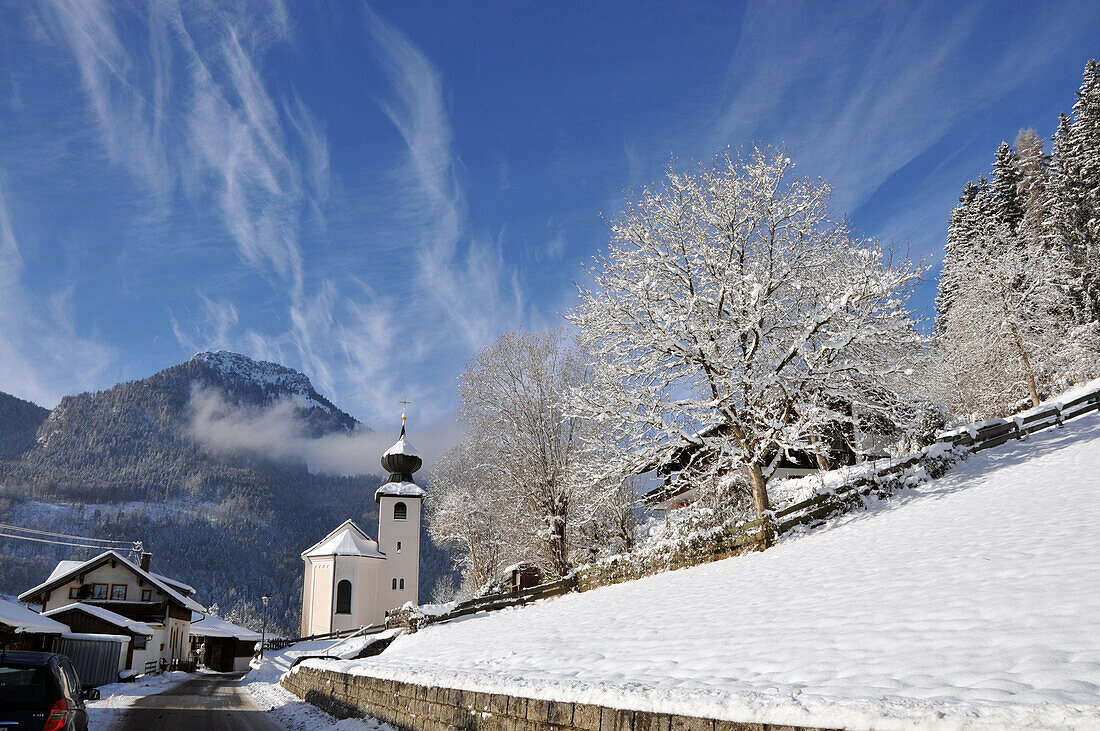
[208, 702]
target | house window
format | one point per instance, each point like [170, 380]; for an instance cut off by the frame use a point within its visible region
[140, 642]
[395, 584]
[74, 592]
[402, 585]
[118, 592]
[146, 595]
[99, 591]
[400, 511]
[399, 546]
[343, 597]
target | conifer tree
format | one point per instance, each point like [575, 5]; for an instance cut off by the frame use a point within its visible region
[1006, 185]
[969, 219]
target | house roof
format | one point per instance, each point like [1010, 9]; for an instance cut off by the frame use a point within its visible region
[61, 574]
[187, 589]
[347, 540]
[62, 568]
[23, 621]
[211, 626]
[138, 628]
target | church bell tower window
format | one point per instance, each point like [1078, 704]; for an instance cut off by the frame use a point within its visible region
[400, 511]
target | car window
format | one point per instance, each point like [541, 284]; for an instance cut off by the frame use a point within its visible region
[71, 679]
[23, 687]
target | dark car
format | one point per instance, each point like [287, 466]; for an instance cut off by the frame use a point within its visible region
[41, 691]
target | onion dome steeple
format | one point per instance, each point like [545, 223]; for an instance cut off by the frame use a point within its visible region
[401, 461]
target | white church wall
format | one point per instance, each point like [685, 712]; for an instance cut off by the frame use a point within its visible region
[402, 562]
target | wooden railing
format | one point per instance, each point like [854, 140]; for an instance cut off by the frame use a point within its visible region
[502, 600]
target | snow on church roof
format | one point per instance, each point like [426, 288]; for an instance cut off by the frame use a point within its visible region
[402, 446]
[399, 489]
[347, 540]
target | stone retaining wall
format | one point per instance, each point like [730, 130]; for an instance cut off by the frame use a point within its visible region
[413, 707]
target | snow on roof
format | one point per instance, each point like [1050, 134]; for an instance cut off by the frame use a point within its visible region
[402, 446]
[347, 540]
[185, 588]
[972, 601]
[211, 626]
[106, 615]
[59, 576]
[399, 489]
[23, 621]
[62, 568]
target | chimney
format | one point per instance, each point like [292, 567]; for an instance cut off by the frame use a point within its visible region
[146, 558]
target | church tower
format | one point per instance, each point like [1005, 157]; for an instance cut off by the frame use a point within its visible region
[399, 503]
[352, 581]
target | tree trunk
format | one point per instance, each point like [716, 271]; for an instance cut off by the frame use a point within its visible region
[760, 503]
[1031, 386]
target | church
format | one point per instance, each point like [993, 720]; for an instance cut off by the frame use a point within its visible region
[350, 579]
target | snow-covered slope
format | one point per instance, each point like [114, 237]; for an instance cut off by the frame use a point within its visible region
[971, 601]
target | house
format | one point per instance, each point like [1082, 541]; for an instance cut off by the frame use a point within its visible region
[225, 647]
[352, 580]
[22, 629]
[114, 583]
[685, 460]
[92, 619]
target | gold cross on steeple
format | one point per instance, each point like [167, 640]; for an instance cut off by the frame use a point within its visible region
[404, 406]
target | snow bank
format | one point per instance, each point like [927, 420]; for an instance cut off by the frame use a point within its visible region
[972, 600]
[262, 682]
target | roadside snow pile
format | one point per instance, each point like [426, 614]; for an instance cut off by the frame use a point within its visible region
[106, 713]
[262, 682]
[972, 600]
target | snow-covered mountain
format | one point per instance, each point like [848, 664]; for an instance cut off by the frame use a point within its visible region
[260, 382]
[123, 463]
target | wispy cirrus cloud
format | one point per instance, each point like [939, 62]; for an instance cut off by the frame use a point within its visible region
[466, 276]
[185, 106]
[41, 355]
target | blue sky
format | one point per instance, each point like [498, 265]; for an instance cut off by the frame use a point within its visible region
[371, 192]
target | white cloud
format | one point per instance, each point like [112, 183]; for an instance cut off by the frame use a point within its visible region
[280, 432]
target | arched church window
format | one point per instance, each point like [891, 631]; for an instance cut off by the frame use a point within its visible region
[395, 584]
[343, 597]
[400, 511]
[402, 584]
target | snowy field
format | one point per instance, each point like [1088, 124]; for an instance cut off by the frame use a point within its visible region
[262, 682]
[971, 601]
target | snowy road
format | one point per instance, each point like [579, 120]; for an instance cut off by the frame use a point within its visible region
[213, 702]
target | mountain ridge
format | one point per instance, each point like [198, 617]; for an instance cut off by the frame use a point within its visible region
[124, 463]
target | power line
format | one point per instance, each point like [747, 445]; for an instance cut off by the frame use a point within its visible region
[51, 541]
[5, 526]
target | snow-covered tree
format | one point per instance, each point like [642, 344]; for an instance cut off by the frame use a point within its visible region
[470, 516]
[1031, 188]
[1073, 198]
[1006, 186]
[731, 310]
[514, 404]
[973, 215]
[1008, 335]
